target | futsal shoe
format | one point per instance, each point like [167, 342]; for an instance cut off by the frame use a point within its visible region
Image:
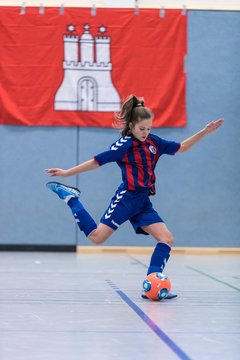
[63, 191]
[170, 295]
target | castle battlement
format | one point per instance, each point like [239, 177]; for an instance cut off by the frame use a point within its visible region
[70, 64]
[86, 65]
[70, 38]
[106, 38]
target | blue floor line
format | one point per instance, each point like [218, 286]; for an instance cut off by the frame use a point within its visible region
[166, 339]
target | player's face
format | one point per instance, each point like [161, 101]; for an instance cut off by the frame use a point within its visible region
[142, 129]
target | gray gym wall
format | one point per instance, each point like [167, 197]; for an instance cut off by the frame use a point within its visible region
[198, 193]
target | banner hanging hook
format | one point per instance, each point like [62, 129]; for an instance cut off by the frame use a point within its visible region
[23, 9]
[61, 10]
[184, 10]
[93, 10]
[136, 8]
[162, 12]
[41, 9]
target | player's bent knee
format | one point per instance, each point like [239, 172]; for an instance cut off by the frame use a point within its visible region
[101, 234]
[170, 240]
[167, 239]
[96, 238]
[97, 241]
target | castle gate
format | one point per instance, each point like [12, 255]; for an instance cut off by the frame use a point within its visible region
[87, 94]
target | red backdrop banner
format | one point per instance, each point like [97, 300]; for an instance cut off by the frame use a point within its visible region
[75, 69]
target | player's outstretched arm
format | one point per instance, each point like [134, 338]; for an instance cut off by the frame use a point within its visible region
[86, 166]
[209, 128]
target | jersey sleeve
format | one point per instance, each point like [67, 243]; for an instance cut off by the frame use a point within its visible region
[169, 147]
[115, 153]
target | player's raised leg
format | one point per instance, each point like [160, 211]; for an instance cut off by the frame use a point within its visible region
[70, 196]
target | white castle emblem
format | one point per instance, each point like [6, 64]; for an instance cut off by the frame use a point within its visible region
[87, 83]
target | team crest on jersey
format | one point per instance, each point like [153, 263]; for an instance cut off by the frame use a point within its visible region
[152, 149]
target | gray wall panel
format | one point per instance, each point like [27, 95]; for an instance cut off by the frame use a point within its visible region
[29, 213]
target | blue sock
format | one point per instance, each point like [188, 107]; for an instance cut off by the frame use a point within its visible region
[159, 258]
[83, 218]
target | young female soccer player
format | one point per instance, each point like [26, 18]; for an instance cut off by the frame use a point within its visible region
[136, 153]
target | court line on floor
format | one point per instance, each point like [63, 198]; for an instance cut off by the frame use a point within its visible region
[138, 261]
[150, 323]
[212, 277]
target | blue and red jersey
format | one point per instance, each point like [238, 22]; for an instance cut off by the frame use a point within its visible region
[137, 159]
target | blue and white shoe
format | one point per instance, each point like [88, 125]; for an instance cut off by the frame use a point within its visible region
[170, 295]
[63, 191]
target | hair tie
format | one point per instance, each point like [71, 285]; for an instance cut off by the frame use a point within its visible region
[139, 104]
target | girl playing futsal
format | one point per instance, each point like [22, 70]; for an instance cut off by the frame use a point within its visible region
[136, 153]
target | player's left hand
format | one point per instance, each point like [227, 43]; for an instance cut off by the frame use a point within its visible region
[213, 125]
[56, 172]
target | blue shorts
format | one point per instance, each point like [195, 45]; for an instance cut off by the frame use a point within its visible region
[134, 206]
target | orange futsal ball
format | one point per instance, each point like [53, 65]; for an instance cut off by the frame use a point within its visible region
[156, 286]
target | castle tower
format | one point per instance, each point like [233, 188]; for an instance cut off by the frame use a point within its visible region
[87, 46]
[102, 47]
[70, 48]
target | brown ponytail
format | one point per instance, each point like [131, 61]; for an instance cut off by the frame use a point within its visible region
[132, 111]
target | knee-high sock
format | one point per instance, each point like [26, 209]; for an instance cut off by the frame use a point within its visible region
[159, 258]
[83, 218]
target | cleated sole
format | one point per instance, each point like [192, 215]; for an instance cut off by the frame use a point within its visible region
[168, 297]
[67, 186]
